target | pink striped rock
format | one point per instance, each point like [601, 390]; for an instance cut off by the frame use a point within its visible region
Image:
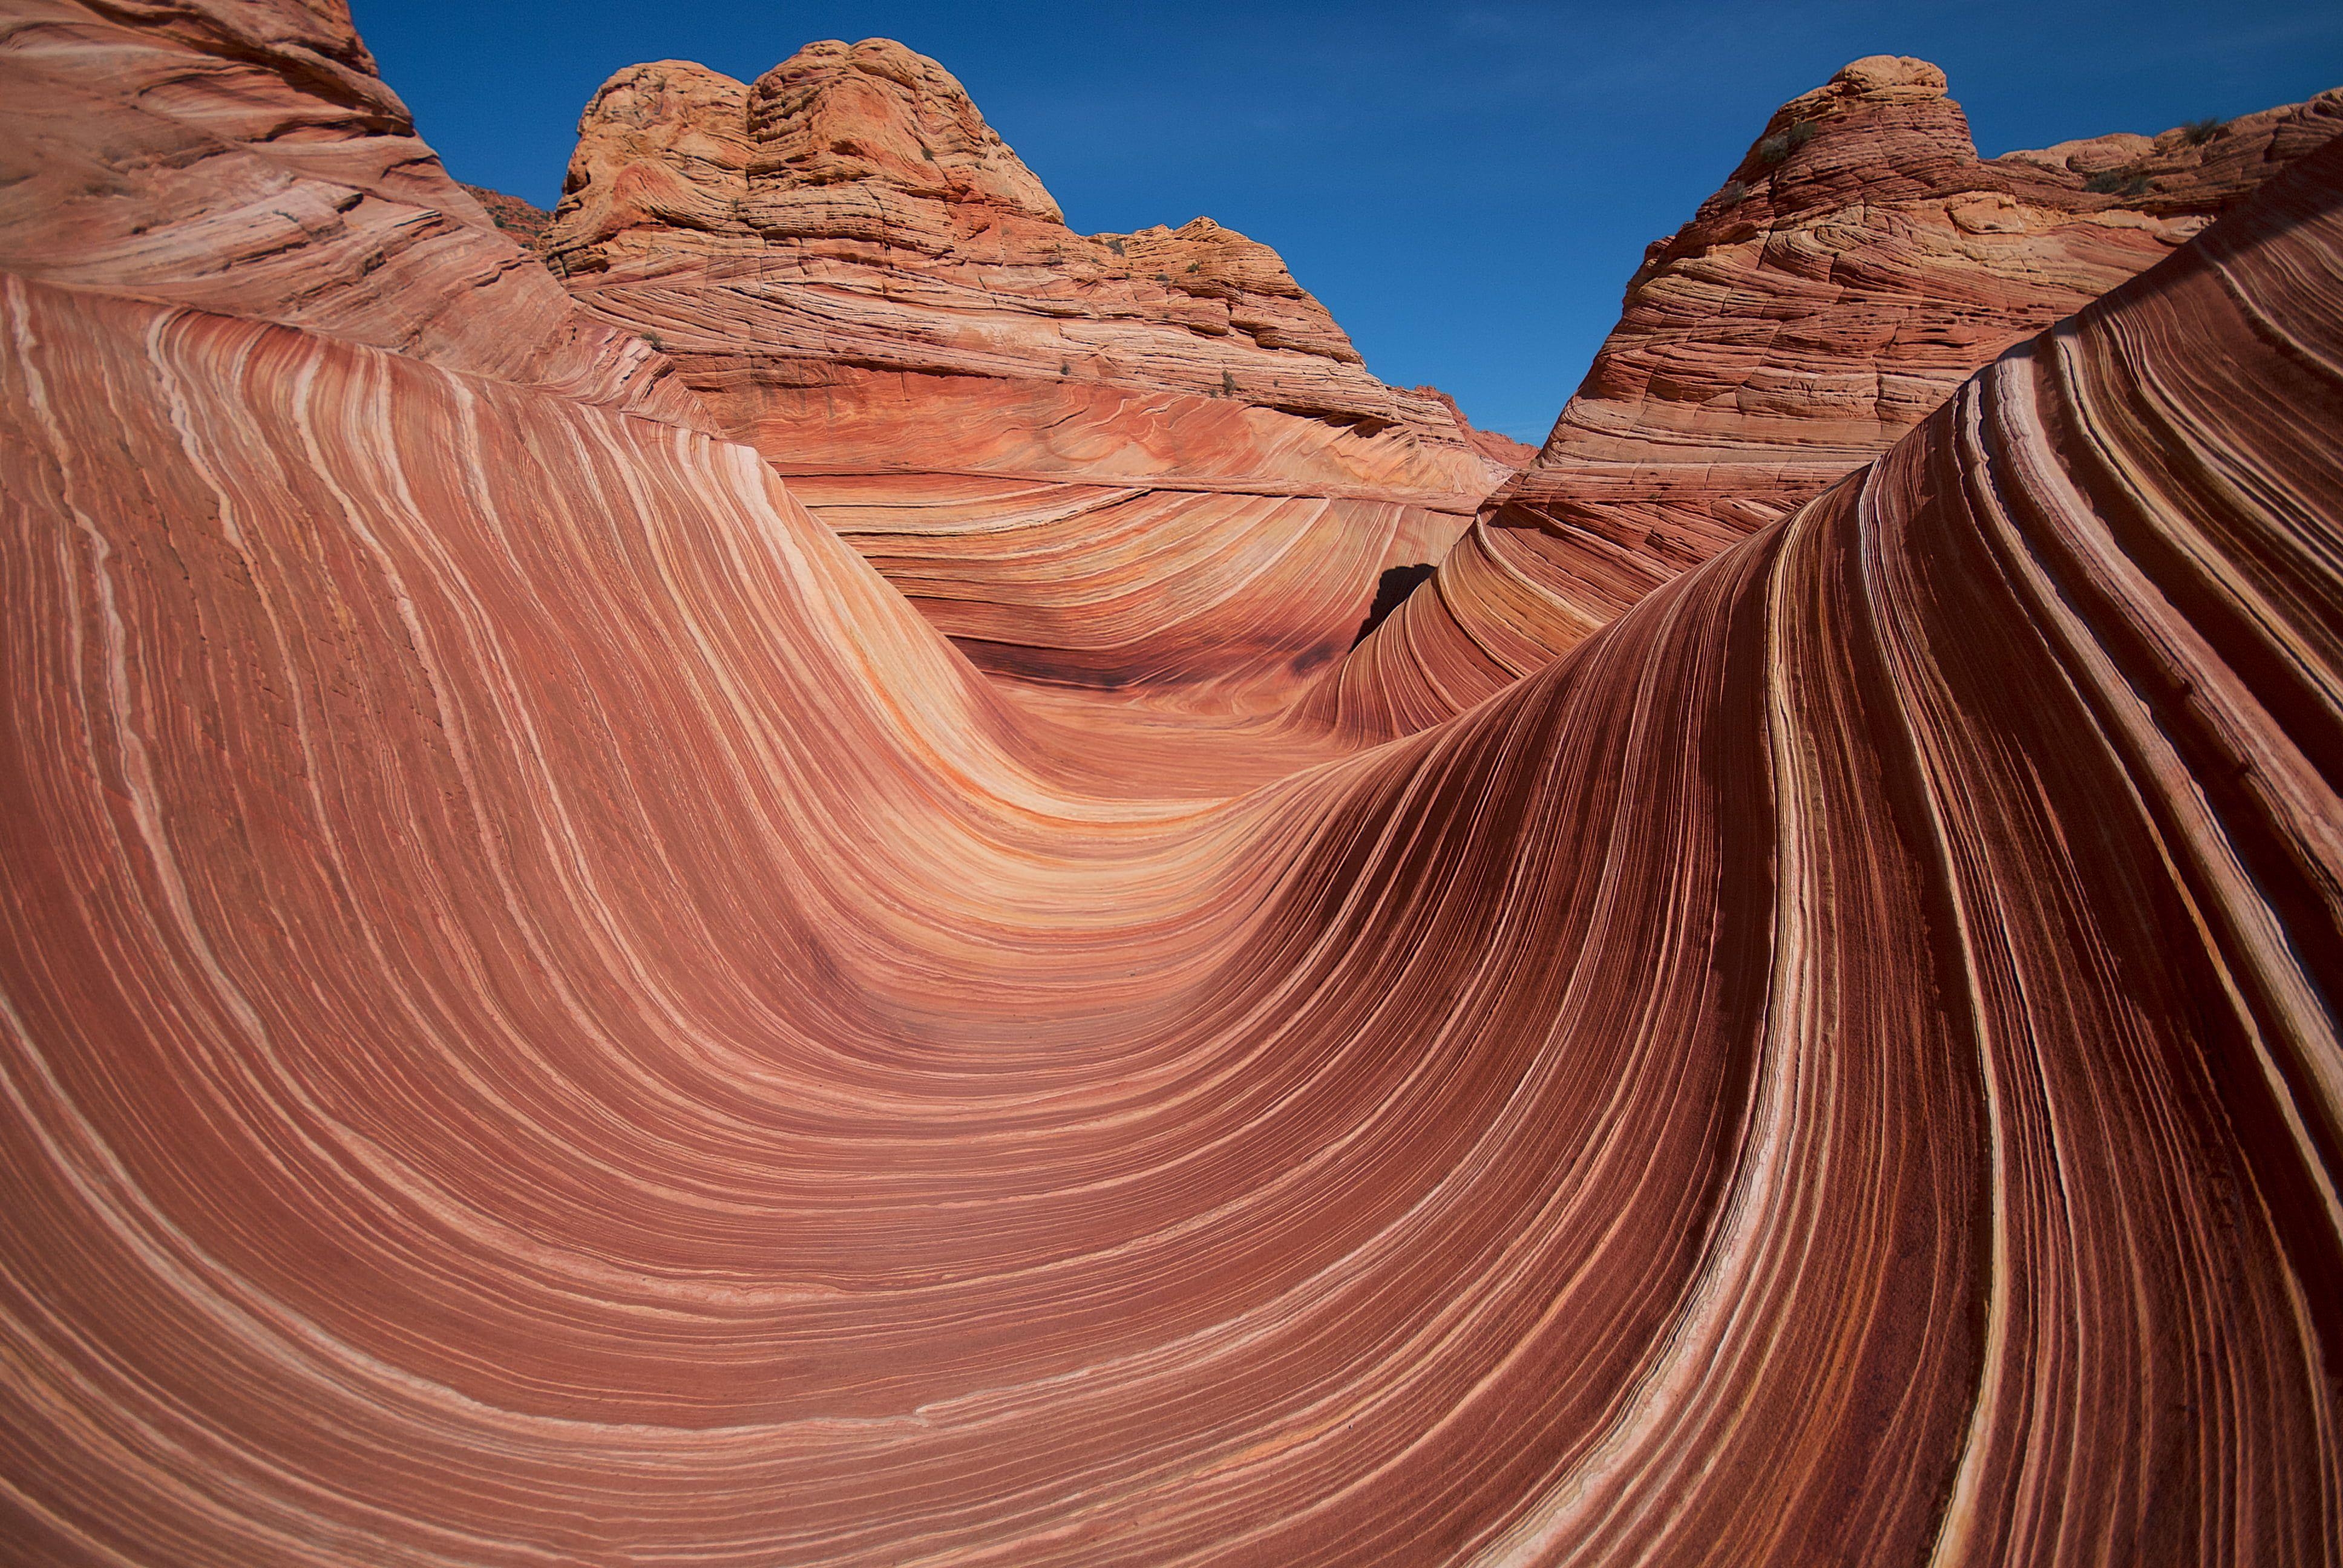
[549, 1015]
[1860, 263]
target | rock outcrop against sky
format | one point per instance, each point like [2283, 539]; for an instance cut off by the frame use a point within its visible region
[1859, 265]
[864, 176]
[525, 221]
[246, 157]
[1144, 462]
[549, 1015]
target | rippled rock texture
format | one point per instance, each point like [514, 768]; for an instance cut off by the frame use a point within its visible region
[1860, 263]
[551, 1017]
[244, 155]
[1148, 462]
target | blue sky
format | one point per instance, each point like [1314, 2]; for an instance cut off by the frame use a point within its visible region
[1466, 186]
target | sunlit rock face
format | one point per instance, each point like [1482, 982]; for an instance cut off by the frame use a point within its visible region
[245, 157]
[1147, 462]
[1859, 265]
[525, 221]
[549, 1015]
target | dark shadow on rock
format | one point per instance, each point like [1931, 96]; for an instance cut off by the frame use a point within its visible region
[1391, 591]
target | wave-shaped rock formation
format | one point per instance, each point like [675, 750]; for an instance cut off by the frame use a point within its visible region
[549, 1015]
[244, 155]
[1144, 462]
[1859, 265]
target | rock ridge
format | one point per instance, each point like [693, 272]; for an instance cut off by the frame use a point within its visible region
[1861, 262]
[1109, 463]
[249, 158]
[865, 173]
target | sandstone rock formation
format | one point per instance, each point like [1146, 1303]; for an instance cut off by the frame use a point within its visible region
[1148, 461]
[1507, 454]
[525, 221]
[547, 1015]
[854, 175]
[1861, 262]
[242, 156]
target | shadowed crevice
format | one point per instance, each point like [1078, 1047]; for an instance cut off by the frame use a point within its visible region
[1391, 591]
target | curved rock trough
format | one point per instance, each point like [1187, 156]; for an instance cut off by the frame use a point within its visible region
[551, 1012]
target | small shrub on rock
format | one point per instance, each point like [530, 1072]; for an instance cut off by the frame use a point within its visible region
[1773, 149]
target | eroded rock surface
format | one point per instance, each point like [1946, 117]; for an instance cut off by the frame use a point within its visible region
[244, 156]
[548, 1015]
[525, 221]
[1859, 265]
[1144, 461]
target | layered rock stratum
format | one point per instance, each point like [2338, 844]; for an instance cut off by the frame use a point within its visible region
[1147, 462]
[548, 1014]
[244, 155]
[1859, 265]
